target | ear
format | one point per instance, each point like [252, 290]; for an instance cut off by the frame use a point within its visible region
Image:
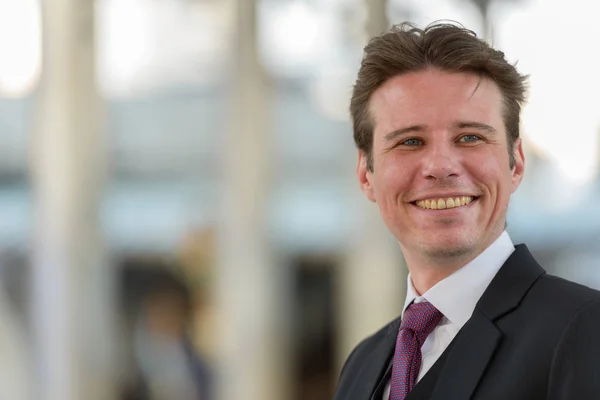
[365, 176]
[519, 168]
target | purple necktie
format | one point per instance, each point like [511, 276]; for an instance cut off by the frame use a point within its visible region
[420, 319]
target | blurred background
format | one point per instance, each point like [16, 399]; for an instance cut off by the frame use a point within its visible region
[179, 215]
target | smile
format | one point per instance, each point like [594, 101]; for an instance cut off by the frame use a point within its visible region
[441, 204]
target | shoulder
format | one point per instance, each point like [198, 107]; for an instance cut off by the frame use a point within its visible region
[561, 293]
[574, 369]
[582, 301]
[560, 306]
[530, 282]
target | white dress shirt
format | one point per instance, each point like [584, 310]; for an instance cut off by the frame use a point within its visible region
[456, 297]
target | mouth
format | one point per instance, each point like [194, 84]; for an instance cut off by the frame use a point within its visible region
[445, 203]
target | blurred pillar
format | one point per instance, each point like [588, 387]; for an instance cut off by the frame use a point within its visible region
[373, 279]
[71, 296]
[251, 361]
[484, 7]
[15, 367]
[377, 19]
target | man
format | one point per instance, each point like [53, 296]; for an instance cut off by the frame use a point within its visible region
[436, 121]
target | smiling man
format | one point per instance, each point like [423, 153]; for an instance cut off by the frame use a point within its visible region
[436, 121]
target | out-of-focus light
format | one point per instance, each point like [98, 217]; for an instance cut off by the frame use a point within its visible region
[20, 46]
[568, 135]
[146, 45]
[331, 92]
[292, 36]
[562, 116]
[424, 12]
[123, 44]
[298, 30]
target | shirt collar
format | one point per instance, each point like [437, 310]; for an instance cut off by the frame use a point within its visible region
[456, 295]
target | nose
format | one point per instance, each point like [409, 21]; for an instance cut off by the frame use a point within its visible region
[440, 162]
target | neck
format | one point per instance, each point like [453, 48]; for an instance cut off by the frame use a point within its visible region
[427, 270]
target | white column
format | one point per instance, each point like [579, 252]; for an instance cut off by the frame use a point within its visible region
[377, 19]
[15, 367]
[373, 278]
[251, 363]
[71, 285]
[372, 281]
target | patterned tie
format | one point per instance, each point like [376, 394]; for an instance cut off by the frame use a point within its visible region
[419, 321]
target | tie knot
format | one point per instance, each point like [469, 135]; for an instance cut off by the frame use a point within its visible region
[422, 318]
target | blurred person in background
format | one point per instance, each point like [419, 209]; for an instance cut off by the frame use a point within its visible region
[166, 362]
[436, 115]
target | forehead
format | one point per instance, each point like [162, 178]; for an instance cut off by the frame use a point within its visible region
[436, 98]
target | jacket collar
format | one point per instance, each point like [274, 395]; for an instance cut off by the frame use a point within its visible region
[475, 345]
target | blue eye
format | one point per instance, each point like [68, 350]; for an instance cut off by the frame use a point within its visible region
[412, 142]
[469, 139]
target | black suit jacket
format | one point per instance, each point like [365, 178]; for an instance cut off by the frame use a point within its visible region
[532, 336]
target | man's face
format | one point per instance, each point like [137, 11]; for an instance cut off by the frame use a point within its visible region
[440, 136]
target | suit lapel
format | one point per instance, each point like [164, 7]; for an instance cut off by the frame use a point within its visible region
[375, 365]
[511, 284]
[473, 349]
[477, 342]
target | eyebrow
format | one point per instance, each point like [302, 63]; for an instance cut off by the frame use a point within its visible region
[457, 125]
[403, 131]
[475, 125]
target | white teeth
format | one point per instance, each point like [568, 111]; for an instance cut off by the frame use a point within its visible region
[440, 204]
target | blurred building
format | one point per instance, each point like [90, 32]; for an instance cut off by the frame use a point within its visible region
[210, 126]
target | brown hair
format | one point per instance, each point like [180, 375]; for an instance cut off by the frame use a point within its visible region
[406, 48]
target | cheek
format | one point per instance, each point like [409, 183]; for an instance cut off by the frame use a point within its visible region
[497, 184]
[393, 180]
[492, 170]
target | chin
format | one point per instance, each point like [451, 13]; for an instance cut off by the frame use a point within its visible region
[448, 248]
[448, 252]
